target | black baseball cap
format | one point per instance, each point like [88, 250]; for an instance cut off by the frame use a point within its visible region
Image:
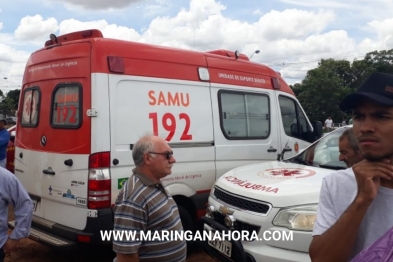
[3, 120]
[377, 88]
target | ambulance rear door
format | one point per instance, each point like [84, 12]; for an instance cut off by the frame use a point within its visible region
[54, 133]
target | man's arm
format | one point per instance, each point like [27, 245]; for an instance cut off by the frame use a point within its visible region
[127, 257]
[4, 138]
[23, 210]
[336, 242]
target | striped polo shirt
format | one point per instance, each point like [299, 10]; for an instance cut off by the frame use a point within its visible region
[143, 205]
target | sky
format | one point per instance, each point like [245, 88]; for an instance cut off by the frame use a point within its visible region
[291, 35]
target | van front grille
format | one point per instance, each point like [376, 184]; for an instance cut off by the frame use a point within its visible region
[241, 203]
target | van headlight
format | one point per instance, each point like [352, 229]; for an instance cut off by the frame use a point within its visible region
[297, 218]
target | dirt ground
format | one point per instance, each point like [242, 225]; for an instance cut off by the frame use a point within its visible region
[31, 251]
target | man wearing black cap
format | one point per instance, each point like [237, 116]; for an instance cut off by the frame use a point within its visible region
[4, 139]
[356, 205]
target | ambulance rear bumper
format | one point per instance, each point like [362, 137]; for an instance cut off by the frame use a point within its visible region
[62, 237]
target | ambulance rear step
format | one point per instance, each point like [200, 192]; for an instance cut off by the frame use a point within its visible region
[43, 237]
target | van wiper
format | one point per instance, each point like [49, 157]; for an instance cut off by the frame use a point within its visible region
[280, 157]
[332, 167]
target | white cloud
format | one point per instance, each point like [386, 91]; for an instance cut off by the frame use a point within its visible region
[154, 10]
[12, 64]
[101, 4]
[320, 4]
[383, 28]
[9, 54]
[1, 25]
[384, 40]
[35, 28]
[108, 30]
[360, 8]
[293, 23]
[257, 12]
[292, 40]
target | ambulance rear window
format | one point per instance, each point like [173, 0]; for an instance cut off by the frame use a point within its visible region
[31, 107]
[244, 115]
[67, 106]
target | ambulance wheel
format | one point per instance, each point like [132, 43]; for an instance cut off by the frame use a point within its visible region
[188, 224]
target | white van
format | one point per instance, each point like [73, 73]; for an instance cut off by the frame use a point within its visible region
[86, 100]
[277, 200]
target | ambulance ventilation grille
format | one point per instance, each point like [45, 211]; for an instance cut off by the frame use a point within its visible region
[239, 202]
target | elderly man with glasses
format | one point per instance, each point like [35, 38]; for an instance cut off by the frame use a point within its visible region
[143, 204]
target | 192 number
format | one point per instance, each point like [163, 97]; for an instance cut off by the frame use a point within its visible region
[171, 126]
[63, 112]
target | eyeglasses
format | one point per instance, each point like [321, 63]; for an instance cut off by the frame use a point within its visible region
[167, 154]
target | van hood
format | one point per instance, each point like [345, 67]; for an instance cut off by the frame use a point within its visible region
[278, 183]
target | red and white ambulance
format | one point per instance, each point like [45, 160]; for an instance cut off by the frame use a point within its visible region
[86, 100]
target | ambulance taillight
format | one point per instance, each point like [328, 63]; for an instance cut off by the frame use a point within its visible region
[99, 184]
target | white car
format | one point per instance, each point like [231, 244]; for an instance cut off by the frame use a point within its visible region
[277, 196]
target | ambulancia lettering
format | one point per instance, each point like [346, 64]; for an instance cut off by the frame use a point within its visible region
[246, 184]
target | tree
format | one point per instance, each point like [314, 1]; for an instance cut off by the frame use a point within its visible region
[7, 106]
[322, 89]
[14, 95]
[381, 61]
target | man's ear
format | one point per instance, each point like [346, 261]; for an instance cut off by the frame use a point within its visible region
[147, 158]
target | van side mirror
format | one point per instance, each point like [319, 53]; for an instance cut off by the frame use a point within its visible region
[12, 136]
[317, 126]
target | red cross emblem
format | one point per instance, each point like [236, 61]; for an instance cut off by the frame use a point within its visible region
[284, 172]
[28, 106]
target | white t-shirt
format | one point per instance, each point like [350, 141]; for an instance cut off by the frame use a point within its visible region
[328, 123]
[338, 191]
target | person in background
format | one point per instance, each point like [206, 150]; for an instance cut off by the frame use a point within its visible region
[143, 204]
[349, 148]
[13, 193]
[329, 124]
[4, 139]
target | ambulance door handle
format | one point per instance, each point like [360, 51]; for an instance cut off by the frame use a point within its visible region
[271, 149]
[48, 172]
[68, 162]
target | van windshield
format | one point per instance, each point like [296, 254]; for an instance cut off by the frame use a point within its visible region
[323, 153]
